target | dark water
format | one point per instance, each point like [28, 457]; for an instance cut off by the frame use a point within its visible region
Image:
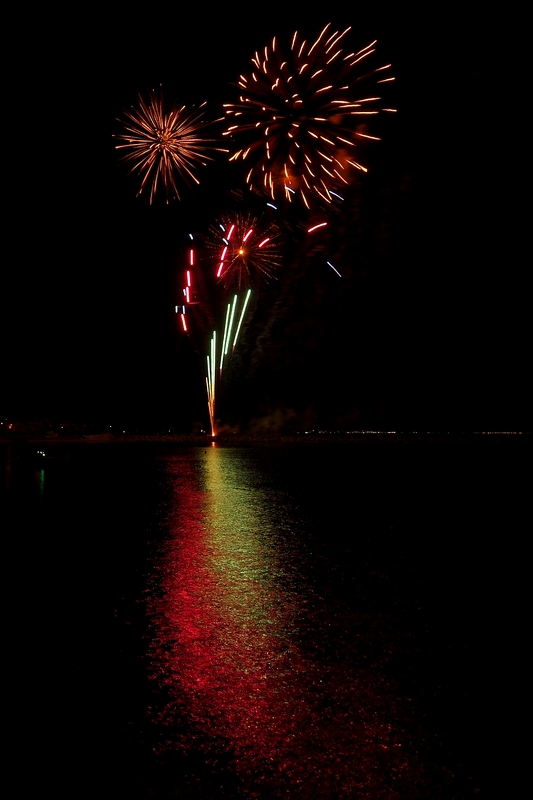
[308, 622]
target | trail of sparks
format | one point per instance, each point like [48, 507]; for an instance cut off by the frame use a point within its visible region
[334, 268]
[220, 347]
[243, 312]
[219, 350]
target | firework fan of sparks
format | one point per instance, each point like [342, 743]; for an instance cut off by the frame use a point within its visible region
[298, 118]
[161, 144]
[247, 250]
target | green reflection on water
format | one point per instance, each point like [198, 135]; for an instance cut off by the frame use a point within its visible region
[241, 548]
[40, 483]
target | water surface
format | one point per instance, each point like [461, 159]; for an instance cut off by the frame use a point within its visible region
[269, 622]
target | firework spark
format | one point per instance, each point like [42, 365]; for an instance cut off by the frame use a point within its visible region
[247, 250]
[231, 308]
[161, 144]
[296, 120]
[220, 350]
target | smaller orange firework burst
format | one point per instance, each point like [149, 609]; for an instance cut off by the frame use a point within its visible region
[161, 144]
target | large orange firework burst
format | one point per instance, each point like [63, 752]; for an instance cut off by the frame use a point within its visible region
[247, 250]
[161, 144]
[298, 118]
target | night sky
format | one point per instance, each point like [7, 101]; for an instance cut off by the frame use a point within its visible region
[428, 330]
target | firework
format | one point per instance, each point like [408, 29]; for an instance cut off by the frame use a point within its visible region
[161, 144]
[221, 349]
[246, 250]
[298, 118]
[225, 307]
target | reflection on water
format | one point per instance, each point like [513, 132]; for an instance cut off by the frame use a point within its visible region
[292, 622]
[233, 620]
[39, 474]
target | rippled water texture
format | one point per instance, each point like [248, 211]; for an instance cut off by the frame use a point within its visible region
[272, 622]
[238, 643]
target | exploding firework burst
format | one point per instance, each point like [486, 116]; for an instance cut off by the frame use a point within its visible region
[247, 250]
[161, 144]
[296, 121]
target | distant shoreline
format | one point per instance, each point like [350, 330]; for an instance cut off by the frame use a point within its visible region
[244, 440]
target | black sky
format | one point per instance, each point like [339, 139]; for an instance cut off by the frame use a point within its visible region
[432, 331]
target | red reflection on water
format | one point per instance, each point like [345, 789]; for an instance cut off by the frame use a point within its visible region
[225, 640]
[225, 651]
